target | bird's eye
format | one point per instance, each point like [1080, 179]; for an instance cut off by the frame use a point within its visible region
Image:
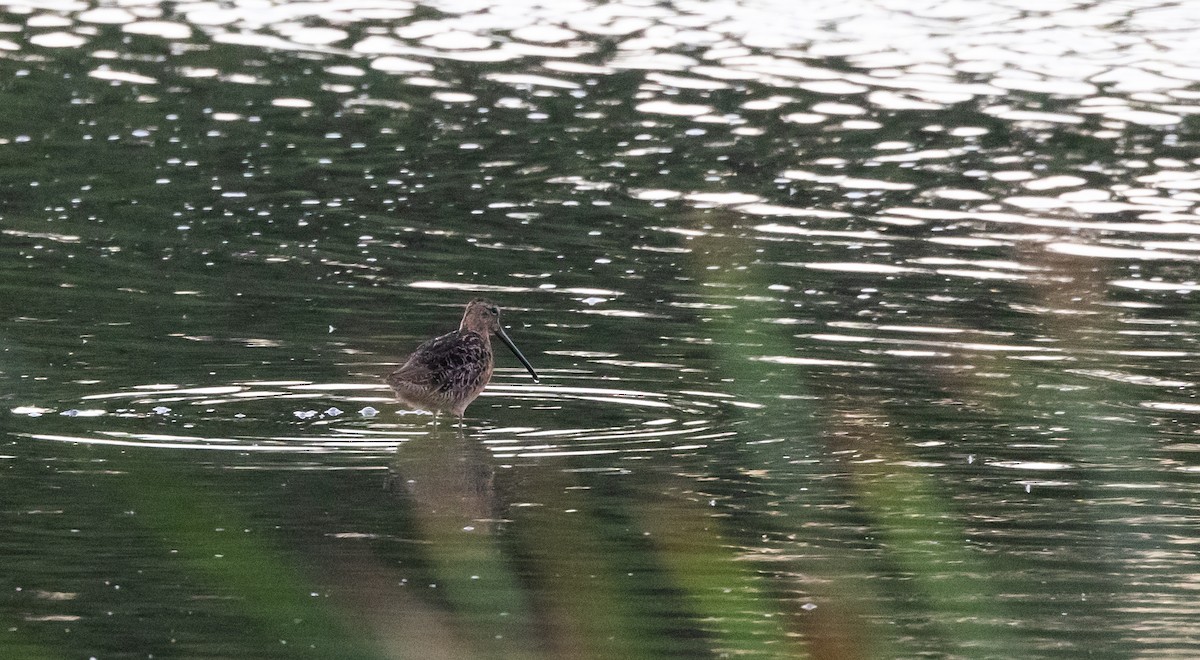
[493, 311]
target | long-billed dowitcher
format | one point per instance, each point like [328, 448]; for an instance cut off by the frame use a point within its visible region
[446, 373]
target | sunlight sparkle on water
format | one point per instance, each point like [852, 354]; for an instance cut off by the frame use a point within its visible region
[886, 308]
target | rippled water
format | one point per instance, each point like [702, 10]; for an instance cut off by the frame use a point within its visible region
[866, 329]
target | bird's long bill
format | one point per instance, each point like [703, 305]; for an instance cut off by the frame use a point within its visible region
[513, 347]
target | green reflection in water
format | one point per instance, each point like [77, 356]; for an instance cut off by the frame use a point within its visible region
[190, 232]
[918, 532]
[151, 555]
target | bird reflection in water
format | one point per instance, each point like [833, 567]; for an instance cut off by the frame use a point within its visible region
[448, 480]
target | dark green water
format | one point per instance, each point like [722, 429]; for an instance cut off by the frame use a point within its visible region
[864, 331]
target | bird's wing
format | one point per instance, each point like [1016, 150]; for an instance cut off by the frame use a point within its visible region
[442, 363]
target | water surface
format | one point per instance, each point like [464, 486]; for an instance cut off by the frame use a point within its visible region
[866, 329]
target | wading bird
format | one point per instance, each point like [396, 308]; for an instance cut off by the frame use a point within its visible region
[447, 373]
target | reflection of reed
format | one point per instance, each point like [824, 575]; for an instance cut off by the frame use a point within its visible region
[1076, 315]
[915, 522]
[837, 627]
[919, 536]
